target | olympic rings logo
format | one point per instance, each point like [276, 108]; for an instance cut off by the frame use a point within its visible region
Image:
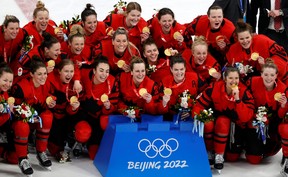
[158, 146]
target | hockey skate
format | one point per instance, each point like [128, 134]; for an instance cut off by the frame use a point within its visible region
[211, 157]
[219, 163]
[284, 170]
[63, 157]
[3, 137]
[25, 167]
[77, 150]
[44, 161]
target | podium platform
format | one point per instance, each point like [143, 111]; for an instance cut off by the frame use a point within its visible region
[151, 148]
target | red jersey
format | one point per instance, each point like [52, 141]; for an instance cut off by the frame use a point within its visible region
[99, 33]
[164, 41]
[91, 101]
[266, 48]
[63, 92]
[37, 37]
[129, 94]
[25, 91]
[25, 60]
[159, 71]
[4, 117]
[192, 82]
[119, 20]
[84, 57]
[106, 49]
[202, 70]
[216, 97]
[10, 49]
[265, 98]
[201, 26]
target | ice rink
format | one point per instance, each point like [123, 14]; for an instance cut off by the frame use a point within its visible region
[185, 11]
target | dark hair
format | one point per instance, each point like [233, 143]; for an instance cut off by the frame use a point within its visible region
[5, 68]
[64, 62]
[269, 63]
[228, 70]
[133, 6]
[241, 26]
[136, 60]
[10, 18]
[165, 11]
[148, 41]
[100, 59]
[40, 6]
[177, 59]
[48, 41]
[87, 12]
[76, 31]
[36, 63]
[213, 7]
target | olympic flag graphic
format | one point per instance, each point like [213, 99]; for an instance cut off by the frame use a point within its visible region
[158, 147]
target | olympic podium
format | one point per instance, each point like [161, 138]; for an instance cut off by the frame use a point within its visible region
[151, 148]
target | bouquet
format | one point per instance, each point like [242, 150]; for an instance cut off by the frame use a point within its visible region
[261, 123]
[26, 113]
[66, 24]
[200, 119]
[28, 44]
[119, 8]
[132, 112]
[244, 69]
[151, 69]
[184, 105]
[5, 104]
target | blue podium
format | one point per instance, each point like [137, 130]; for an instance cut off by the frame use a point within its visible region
[151, 148]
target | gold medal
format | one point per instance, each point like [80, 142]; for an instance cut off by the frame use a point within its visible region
[277, 96]
[120, 63]
[73, 99]
[104, 97]
[142, 91]
[51, 63]
[254, 56]
[11, 100]
[211, 71]
[176, 34]
[167, 91]
[145, 30]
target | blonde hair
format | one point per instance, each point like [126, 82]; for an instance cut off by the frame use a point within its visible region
[269, 63]
[75, 31]
[40, 6]
[199, 40]
[133, 6]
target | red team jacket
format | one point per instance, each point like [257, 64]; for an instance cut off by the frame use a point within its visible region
[106, 49]
[63, 93]
[119, 20]
[10, 49]
[129, 94]
[99, 33]
[85, 58]
[202, 70]
[91, 101]
[25, 91]
[266, 48]
[164, 41]
[37, 37]
[201, 26]
[162, 70]
[266, 98]
[215, 97]
[192, 83]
